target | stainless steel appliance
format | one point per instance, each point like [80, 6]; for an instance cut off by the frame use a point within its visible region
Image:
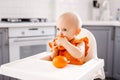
[23, 20]
[24, 42]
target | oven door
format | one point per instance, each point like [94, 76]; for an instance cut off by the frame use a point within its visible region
[23, 47]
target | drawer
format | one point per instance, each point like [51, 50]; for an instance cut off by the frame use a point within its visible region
[32, 31]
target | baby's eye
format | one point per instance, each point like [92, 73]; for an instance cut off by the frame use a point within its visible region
[58, 29]
[64, 29]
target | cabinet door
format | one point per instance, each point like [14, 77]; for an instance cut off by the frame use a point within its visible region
[104, 39]
[116, 70]
[5, 45]
[3, 50]
[1, 60]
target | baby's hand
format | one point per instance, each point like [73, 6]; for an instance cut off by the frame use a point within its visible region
[61, 40]
[54, 52]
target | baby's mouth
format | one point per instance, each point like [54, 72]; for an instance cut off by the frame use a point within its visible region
[62, 36]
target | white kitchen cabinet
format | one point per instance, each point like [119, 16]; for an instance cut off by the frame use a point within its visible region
[104, 36]
[116, 68]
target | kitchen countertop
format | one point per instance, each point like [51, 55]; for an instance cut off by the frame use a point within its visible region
[7, 25]
[87, 23]
[102, 23]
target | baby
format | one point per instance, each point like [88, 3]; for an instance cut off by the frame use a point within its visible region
[66, 44]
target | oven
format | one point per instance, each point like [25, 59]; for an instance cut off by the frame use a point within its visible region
[24, 42]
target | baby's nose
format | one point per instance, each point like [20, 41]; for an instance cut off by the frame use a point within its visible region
[61, 33]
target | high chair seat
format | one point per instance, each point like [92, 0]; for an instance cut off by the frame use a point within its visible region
[35, 68]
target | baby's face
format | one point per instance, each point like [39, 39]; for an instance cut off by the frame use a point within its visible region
[68, 25]
[66, 28]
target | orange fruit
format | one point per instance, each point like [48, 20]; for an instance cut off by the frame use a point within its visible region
[60, 61]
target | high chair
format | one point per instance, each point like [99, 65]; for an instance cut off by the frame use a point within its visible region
[92, 52]
[35, 68]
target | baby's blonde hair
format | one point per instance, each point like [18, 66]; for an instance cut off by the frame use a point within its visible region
[75, 15]
[79, 19]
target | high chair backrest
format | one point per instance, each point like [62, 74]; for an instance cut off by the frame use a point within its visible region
[92, 51]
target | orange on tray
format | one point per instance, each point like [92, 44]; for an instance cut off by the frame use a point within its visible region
[60, 61]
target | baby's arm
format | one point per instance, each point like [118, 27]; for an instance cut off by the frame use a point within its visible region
[53, 49]
[76, 51]
[81, 46]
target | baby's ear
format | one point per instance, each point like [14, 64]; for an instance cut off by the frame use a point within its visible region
[77, 31]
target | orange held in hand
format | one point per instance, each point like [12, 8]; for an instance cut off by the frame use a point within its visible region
[60, 61]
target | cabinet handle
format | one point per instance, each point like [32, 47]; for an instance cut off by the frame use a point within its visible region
[6, 44]
[33, 28]
[113, 34]
[6, 37]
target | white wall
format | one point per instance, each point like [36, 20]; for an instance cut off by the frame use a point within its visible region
[43, 8]
[115, 4]
[82, 7]
[27, 8]
[48, 9]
